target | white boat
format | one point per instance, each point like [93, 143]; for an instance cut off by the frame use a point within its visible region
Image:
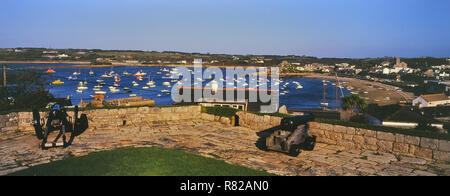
[125, 73]
[299, 86]
[145, 87]
[79, 91]
[106, 76]
[96, 89]
[166, 83]
[91, 73]
[135, 84]
[165, 91]
[114, 90]
[140, 73]
[100, 92]
[133, 95]
[82, 86]
[159, 95]
[116, 85]
[100, 81]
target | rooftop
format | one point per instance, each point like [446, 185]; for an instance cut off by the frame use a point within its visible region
[435, 97]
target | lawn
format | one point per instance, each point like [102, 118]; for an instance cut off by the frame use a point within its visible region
[139, 162]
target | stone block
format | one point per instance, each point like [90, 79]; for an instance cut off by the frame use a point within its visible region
[143, 110]
[267, 120]
[340, 129]
[442, 156]
[166, 110]
[348, 137]
[275, 121]
[314, 125]
[359, 140]
[371, 141]
[366, 132]
[400, 138]
[225, 120]
[317, 132]
[207, 117]
[444, 145]
[385, 146]
[326, 127]
[155, 110]
[351, 130]
[385, 136]
[429, 143]
[401, 147]
[196, 109]
[423, 153]
[412, 140]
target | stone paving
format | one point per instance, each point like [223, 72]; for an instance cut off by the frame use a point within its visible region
[235, 145]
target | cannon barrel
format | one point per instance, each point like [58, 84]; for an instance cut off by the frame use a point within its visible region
[291, 123]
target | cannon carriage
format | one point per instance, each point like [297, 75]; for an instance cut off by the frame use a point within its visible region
[57, 120]
[292, 136]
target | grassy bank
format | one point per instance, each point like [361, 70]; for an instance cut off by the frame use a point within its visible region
[139, 162]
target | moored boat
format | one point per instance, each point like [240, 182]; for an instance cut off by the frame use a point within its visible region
[57, 82]
[50, 71]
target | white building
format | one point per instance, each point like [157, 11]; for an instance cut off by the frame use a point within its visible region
[431, 100]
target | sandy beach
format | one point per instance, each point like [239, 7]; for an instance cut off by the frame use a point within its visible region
[374, 92]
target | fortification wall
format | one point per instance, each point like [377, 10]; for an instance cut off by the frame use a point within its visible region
[349, 137]
[361, 139]
[102, 118]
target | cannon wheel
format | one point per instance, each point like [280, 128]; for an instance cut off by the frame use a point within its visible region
[37, 124]
[294, 150]
[310, 143]
[66, 142]
[44, 139]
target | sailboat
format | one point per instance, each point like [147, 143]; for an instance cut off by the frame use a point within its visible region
[77, 73]
[91, 73]
[150, 82]
[139, 73]
[82, 86]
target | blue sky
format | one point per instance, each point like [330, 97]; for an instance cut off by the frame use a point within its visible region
[323, 28]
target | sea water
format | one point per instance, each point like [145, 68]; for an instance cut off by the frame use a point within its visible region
[308, 97]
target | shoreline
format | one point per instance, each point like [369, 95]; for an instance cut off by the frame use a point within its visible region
[373, 92]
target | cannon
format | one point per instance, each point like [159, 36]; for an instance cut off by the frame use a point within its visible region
[292, 136]
[58, 120]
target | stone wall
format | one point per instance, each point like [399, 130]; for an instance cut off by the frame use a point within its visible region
[356, 138]
[348, 137]
[8, 123]
[102, 118]
[361, 139]
[258, 122]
